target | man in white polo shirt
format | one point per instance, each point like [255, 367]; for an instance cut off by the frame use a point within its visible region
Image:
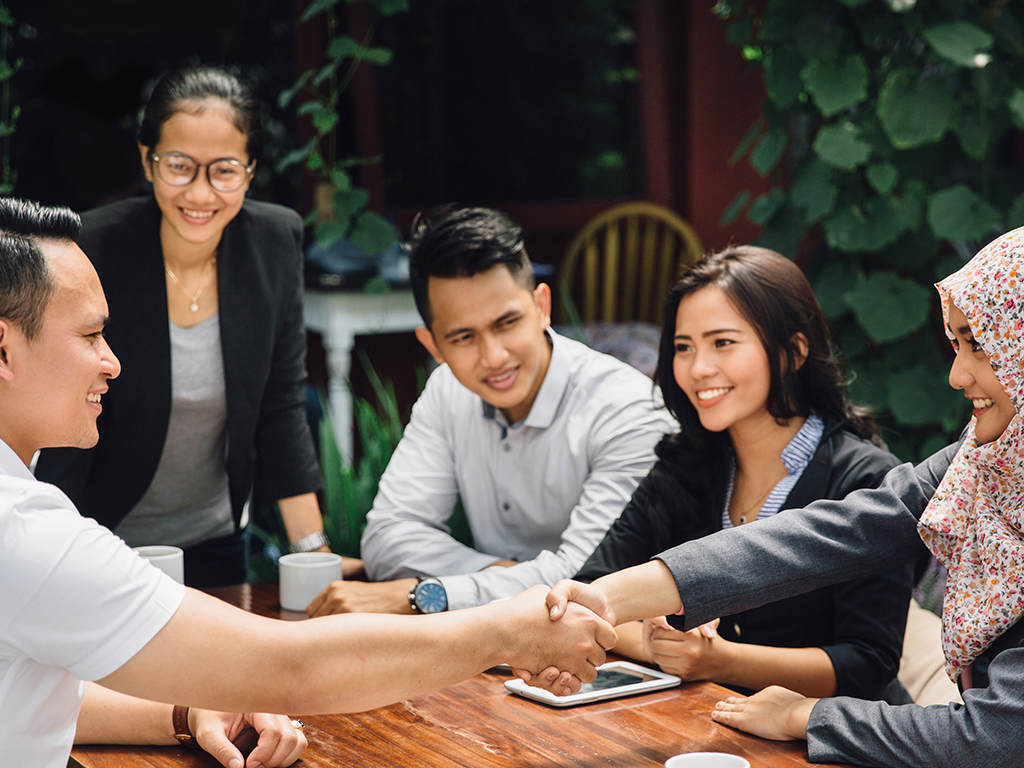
[543, 439]
[77, 604]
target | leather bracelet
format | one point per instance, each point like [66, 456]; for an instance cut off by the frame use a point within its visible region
[179, 720]
[309, 543]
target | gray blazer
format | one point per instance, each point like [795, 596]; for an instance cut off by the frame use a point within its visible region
[831, 541]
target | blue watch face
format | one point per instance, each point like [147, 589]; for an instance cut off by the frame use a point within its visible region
[431, 597]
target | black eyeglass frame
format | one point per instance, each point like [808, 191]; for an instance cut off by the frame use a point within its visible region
[155, 159]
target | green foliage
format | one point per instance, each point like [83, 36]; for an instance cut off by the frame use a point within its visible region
[322, 88]
[915, 112]
[841, 145]
[349, 490]
[9, 113]
[886, 137]
[836, 85]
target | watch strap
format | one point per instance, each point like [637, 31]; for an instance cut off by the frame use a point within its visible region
[412, 595]
[179, 721]
[315, 540]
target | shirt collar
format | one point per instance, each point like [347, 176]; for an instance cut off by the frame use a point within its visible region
[545, 406]
[798, 452]
[11, 465]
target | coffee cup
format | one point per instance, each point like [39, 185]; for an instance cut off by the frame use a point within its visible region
[304, 575]
[170, 560]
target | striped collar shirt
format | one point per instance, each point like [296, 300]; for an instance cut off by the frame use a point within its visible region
[795, 457]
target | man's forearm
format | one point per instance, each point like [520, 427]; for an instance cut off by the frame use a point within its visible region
[239, 662]
[109, 717]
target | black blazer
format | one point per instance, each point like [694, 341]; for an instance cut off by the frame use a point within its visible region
[259, 279]
[859, 623]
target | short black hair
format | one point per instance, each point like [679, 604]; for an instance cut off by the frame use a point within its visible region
[26, 282]
[184, 90]
[463, 242]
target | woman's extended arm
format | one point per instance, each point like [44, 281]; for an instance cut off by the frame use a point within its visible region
[827, 542]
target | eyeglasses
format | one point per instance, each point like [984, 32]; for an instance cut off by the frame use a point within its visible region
[180, 170]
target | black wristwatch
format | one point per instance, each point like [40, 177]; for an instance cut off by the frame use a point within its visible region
[428, 596]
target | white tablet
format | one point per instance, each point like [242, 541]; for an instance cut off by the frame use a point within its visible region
[614, 679]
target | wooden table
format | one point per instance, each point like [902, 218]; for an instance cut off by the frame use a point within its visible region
[477, 724]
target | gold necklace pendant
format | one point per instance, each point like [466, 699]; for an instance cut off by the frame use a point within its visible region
[194, 297]
[762, 498]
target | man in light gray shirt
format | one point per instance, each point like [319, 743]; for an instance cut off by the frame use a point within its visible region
[543, 439]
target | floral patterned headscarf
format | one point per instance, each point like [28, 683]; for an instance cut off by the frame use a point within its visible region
[974, 522]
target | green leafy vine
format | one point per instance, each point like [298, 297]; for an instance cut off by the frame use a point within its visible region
[323, 88]
[9, 113]
[888, 134]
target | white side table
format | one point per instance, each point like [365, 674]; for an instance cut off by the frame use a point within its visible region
[339, 316]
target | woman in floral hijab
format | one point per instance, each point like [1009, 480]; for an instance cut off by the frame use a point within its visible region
[973, 523]
[965, 503]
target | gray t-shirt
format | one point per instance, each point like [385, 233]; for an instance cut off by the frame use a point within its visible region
[187, 501]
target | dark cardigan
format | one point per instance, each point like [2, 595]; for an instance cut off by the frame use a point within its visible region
[859, 624]
[259, 268]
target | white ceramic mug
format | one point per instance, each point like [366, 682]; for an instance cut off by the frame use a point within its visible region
[170, 560]
[707, 760]
[304, 575]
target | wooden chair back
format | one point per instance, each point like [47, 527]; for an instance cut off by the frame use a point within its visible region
[622, 263]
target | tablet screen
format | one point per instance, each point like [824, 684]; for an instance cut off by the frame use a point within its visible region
[614, 679]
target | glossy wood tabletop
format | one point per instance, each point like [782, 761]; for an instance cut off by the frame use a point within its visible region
[478, 724]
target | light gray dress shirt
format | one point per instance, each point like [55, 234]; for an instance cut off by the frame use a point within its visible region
[542, 492]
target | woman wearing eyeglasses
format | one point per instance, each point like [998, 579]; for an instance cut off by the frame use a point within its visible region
[204, 290]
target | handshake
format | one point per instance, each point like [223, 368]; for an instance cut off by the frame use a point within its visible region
[560, 647]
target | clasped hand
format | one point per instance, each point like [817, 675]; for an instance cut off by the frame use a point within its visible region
[567, 652]
[686, 654]
[279, 743]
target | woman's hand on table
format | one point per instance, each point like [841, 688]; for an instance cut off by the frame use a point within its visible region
[687, 654]
[774, 713]
[280, 742]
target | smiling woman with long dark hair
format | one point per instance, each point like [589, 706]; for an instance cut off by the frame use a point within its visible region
[747, 368]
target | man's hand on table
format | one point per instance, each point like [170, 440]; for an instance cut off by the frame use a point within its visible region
[363, 597]
[558, 656]
[352, 568]
[774, 713]
[280, 742]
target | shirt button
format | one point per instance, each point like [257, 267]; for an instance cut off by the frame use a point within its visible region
[507, 447]
[505, 506]
[736, 629]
